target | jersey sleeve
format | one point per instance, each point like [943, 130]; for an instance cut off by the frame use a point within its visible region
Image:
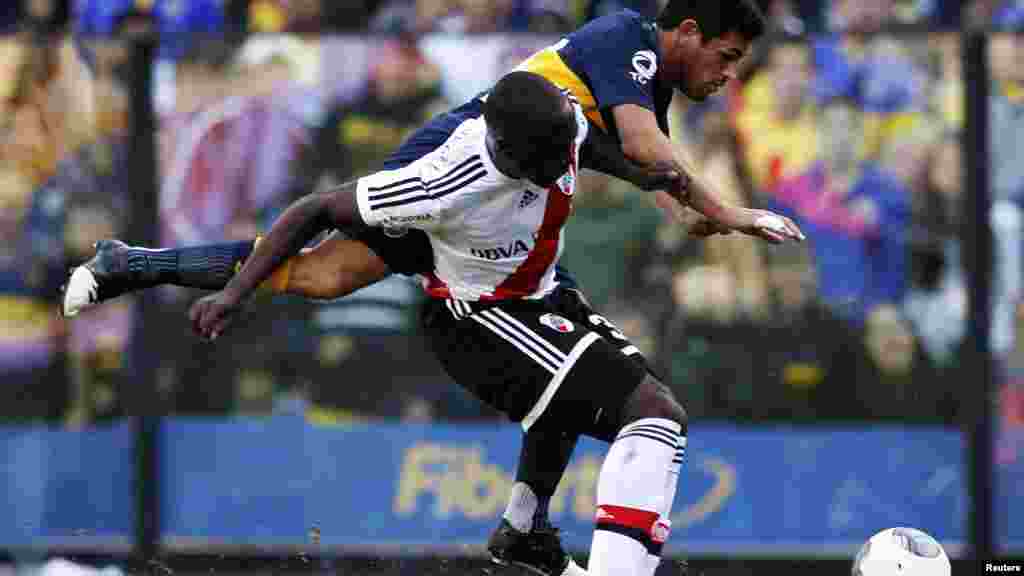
[398, 198]
[415, 195]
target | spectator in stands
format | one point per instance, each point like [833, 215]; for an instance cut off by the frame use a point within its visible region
[306, 16]
[853, 16]
[803, 357]
[355, 335]
[177, 22]
[936, 303]
[61, 154]
[706, 345]
[948, 92]
[775, 118]
[32, 379]
[463, 78]
[998, 14]
[90, 180]
[856, 214]
[402, 90]
[877, 75]
[474, 16]
[896, 381]
[1006, 131]
[46, 17]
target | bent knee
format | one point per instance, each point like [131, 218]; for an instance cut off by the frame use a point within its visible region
[334, 268]
[652, 399]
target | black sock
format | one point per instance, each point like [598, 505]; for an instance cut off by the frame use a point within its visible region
[540, 516]
[209, 267]
[542, 461]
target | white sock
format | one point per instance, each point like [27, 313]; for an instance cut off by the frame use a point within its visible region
[664, 526]
[631, 495]
[522, 504]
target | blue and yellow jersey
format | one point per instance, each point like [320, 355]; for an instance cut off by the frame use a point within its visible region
[608, 62]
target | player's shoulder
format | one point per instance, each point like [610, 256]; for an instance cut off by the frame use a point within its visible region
[464, 144]
[461, 164]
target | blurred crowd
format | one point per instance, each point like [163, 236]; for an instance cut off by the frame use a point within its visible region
[857, 137]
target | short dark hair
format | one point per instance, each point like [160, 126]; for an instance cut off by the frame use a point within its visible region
[526, 108]
[716, 17]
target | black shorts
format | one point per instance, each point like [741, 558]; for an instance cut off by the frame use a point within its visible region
[527, 359]
[571, 303]
[407, 252]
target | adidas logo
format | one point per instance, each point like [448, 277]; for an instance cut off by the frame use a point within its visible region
[528, 198]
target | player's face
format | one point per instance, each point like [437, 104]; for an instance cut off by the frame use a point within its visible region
[544, 160]
[700, 68]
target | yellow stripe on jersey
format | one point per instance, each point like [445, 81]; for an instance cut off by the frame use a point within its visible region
[550, 65]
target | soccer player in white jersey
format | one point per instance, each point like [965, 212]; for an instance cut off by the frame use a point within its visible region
[493, 319]
[623, 69]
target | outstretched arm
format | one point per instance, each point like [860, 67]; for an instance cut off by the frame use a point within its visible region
[643, 142]
[602, 153]
[298, 225]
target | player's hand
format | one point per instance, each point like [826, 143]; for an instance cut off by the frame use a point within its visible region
[763, 224]
[211, 315]
[658, 176]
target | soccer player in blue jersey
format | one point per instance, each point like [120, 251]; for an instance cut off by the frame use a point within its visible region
[622, 69]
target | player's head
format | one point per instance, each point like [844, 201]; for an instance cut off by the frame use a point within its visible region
[703, 42]
[532, 126]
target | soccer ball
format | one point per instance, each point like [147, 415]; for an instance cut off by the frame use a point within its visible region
[901, 552]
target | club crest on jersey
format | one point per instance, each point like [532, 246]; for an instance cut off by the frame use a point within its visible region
[529, 196]
[557, 323]
[567, 184]
[645, 65]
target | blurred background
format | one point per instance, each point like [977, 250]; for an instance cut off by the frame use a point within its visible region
[832, 386]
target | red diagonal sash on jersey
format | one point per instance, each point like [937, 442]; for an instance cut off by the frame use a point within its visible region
[527, 276]
[525, 280]
[435, 287]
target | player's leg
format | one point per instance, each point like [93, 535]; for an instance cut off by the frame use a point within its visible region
[637, 482]
[335, 267]
[540, 368]
[646, 428]
[525, 536]
[571, 301]
[543, 458]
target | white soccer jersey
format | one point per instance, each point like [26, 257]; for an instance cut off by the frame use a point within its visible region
[493, 237]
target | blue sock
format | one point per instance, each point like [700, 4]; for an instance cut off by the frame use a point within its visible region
[209, 267]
